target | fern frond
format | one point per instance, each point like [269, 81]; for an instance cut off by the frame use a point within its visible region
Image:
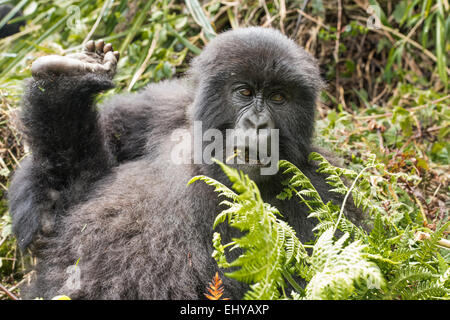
[220, 188]
[269, 244]
[428, 246]
[340, 270]
[444, 279]
[423, 291]
[406, 276]
[300, 181]
[215, 289]
[386, 263]
[262, 291]
[377, 236]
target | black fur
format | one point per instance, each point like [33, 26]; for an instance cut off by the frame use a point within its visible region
[100, 187]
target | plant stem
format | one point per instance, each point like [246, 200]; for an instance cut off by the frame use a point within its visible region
[341, 213]
[292, 282]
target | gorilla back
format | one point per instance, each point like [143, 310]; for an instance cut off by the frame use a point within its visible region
[100, 189]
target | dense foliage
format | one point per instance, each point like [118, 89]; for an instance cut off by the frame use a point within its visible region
[388, 262]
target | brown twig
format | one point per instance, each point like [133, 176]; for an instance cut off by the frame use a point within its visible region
[316, 21]
[14, 287]
[299, 19]
[282, 15]
[8, 293]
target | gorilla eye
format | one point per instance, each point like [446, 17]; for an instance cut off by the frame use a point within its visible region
[245, 92]
[278, 97]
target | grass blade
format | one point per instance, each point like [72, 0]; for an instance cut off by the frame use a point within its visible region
[200, 18]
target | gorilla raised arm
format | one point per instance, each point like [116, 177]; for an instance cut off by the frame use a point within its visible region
[100, 188]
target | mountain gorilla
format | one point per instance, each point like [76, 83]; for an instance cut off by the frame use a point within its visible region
[100, 189]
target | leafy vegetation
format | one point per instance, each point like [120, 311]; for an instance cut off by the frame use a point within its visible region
[387, 92]
[389, 262]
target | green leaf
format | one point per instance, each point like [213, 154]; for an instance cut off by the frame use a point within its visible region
[199, 16]
[441, 50]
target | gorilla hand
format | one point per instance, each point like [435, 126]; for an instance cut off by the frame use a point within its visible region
[97, 57]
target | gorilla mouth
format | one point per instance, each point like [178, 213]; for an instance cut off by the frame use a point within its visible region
[244, 155]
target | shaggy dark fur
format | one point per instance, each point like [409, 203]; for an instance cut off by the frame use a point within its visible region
[100, 187]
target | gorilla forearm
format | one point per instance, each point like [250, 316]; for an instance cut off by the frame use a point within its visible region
[73, 145]
[62, 129]
[60, 121]
[61, 125]
[68, 152]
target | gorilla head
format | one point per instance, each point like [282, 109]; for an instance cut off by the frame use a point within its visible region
[256, 78]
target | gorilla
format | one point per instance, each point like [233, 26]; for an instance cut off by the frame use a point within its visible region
[100, 203]
[9, 28]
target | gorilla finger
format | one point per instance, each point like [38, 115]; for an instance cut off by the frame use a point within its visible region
[117, 55]
[107, 47]
[99, 46]
[110, 61]
[89, 46]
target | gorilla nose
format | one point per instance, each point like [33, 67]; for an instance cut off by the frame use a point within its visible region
[258, 122]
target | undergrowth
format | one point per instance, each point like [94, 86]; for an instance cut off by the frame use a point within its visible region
[391, 261]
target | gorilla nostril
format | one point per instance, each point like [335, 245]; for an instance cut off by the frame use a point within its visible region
[249, 124]
[263, 125]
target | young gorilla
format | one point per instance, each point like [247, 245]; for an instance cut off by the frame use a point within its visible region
[100, 188]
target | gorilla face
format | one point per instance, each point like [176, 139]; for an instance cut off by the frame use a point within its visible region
[257, 135]
[252, 81]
